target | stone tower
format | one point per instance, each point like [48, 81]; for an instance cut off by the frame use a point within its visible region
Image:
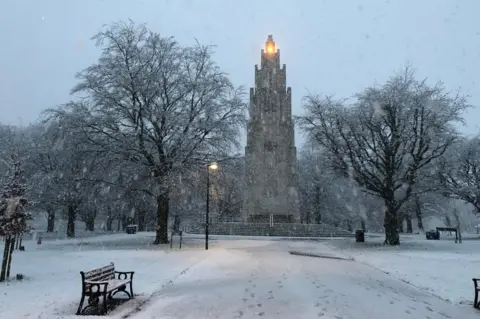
[270, 154]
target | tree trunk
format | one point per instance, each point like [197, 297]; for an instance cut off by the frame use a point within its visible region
[90, 224]
[349, 226]
[119, 221]
[318, 218]
[109, 219]
[162, 219]
[317, 205]
[176, 223]
[50, 219]
[124, 222]
[400, 217]
[409, 223]
[391, 224]
[6, 253]
[308, 217]
[141, 220]
[418, 212]
[71, 221]
[9, 263]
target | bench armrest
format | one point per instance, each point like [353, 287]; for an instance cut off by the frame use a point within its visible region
[475, 281]
[124, 274]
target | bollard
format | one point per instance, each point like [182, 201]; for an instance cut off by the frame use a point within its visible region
[39, 240]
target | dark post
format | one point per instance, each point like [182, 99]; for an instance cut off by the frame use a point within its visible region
[181, 235]
[208, 208]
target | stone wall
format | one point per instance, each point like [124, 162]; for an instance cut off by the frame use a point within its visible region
[264, 229]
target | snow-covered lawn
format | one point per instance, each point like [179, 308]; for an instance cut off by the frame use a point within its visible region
[441, 267]
[52, 284]
[241, 277]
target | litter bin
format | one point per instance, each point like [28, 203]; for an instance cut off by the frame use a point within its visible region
[432, 235]
[359, 236]
[131, 229]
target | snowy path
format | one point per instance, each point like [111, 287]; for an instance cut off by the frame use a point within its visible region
[265, 281]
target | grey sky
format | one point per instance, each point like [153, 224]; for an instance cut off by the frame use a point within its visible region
[329, 46]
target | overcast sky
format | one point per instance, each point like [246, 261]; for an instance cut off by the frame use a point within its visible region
[330, 46]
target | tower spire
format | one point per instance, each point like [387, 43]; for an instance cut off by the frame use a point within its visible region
[270, 55]
[270, 45]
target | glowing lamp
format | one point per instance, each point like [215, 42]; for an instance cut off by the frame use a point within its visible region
[213, 166]
[270, 45]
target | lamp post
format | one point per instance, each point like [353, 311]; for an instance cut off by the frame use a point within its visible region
[212, 166]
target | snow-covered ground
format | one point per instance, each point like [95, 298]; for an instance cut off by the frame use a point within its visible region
[52, 285]
[236, 278]
[441, 267]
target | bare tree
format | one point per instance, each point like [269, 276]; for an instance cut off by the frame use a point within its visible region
[459, 172]
[386, 137]
[43, 138]
[229, 184]
[328, 197]
[63, 168]
[315, 185]
[152, 102]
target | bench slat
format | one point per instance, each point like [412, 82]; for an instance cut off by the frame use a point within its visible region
[99, 274]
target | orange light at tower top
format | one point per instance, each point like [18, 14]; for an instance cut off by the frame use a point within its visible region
[270, 45]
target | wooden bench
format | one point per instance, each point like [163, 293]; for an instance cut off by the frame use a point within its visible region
[104, 282]
[476, 303]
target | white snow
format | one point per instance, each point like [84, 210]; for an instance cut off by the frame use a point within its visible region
[236, 278]
[441, 267]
